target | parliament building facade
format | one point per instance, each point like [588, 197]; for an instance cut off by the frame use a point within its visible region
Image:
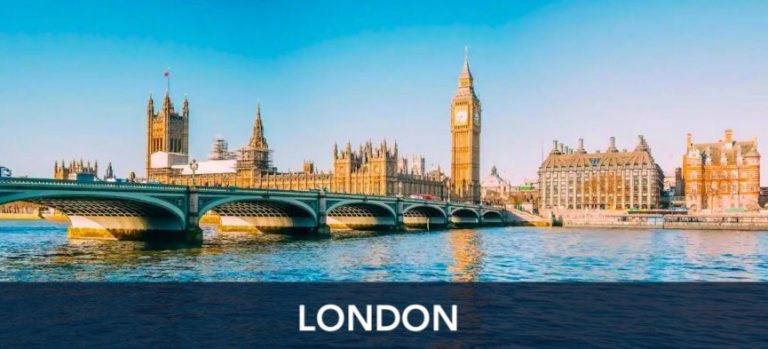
[374, 169]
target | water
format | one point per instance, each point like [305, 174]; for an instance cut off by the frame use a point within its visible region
[40, 251]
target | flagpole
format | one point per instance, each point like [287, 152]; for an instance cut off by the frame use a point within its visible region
[168, 80]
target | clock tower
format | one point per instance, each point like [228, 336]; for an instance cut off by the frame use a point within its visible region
[465, 139]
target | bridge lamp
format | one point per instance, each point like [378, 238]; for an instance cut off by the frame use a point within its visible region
[193, 166]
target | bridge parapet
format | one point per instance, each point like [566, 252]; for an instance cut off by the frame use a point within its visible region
[97, 206]
[60, 183]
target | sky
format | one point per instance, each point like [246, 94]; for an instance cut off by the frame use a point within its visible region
[75, 76]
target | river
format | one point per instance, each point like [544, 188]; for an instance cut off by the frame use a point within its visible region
[40, 251]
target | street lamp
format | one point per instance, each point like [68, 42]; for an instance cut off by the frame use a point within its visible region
[193, 166]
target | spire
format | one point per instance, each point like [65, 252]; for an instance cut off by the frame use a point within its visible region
[110, 173]
[150, 104]
[465, 77]
[185, 107]
[257, 139]
[167, 104]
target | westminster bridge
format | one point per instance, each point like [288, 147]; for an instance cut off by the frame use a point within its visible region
[134, 211]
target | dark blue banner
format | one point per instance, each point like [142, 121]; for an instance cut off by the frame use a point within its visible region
[383, 314]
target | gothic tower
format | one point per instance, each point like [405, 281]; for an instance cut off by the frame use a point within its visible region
[465, 139]
[167, 130]
[256, 155]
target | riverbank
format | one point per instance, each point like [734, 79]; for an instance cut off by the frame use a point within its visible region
[740, 221]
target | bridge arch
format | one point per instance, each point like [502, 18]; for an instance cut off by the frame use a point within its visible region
[492, 217]
[111, 215]
[262, 214]
[433, 210]
[462, 216]
[362, 215]
[424, 216]
[84, 196]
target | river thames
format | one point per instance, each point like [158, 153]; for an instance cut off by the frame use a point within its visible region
[40, 251]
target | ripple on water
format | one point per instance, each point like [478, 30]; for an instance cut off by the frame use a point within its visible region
[40, 251]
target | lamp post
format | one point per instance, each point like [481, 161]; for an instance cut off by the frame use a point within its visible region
[193, 166]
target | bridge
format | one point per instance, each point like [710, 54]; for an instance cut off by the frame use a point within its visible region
[134, 211]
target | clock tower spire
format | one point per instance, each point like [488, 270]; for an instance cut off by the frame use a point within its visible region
[465, 138]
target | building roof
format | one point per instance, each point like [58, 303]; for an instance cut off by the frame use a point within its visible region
[494, 180]
[726, 151]
[561, 157]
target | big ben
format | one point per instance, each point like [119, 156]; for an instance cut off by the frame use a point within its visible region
[465, 139]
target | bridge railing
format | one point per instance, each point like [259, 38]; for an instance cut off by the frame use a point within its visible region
[17, 181]
[81, 184]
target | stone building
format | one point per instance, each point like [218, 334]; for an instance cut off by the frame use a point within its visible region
[465, 139]
[721, 176]
[369, 170]
[495, 189]
[75, 170]
[610, 180]
[374, 169]
[167, 133]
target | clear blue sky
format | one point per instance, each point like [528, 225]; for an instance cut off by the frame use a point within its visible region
[74, 77]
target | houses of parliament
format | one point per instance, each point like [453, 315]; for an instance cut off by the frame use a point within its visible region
[373, 169]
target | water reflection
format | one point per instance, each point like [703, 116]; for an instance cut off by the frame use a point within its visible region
[467, 255]
[39, 251]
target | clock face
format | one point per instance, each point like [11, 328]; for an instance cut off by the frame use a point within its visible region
[460, 117]
[477, 117]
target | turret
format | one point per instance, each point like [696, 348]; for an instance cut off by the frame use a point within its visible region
[185, 108]
[110, 173]
[150, 106]
[167, 104]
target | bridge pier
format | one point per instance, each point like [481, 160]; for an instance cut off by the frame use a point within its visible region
[279, 225]
[131, 229]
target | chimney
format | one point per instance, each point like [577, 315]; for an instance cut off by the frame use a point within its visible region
[554, 146]
[612, 145]
[728, 136]
[689, 140]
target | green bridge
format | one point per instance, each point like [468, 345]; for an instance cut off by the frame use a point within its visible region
[132, 211]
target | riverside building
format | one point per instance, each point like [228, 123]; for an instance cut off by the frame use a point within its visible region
[611, 180]
[371, 169]
[721, 176]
